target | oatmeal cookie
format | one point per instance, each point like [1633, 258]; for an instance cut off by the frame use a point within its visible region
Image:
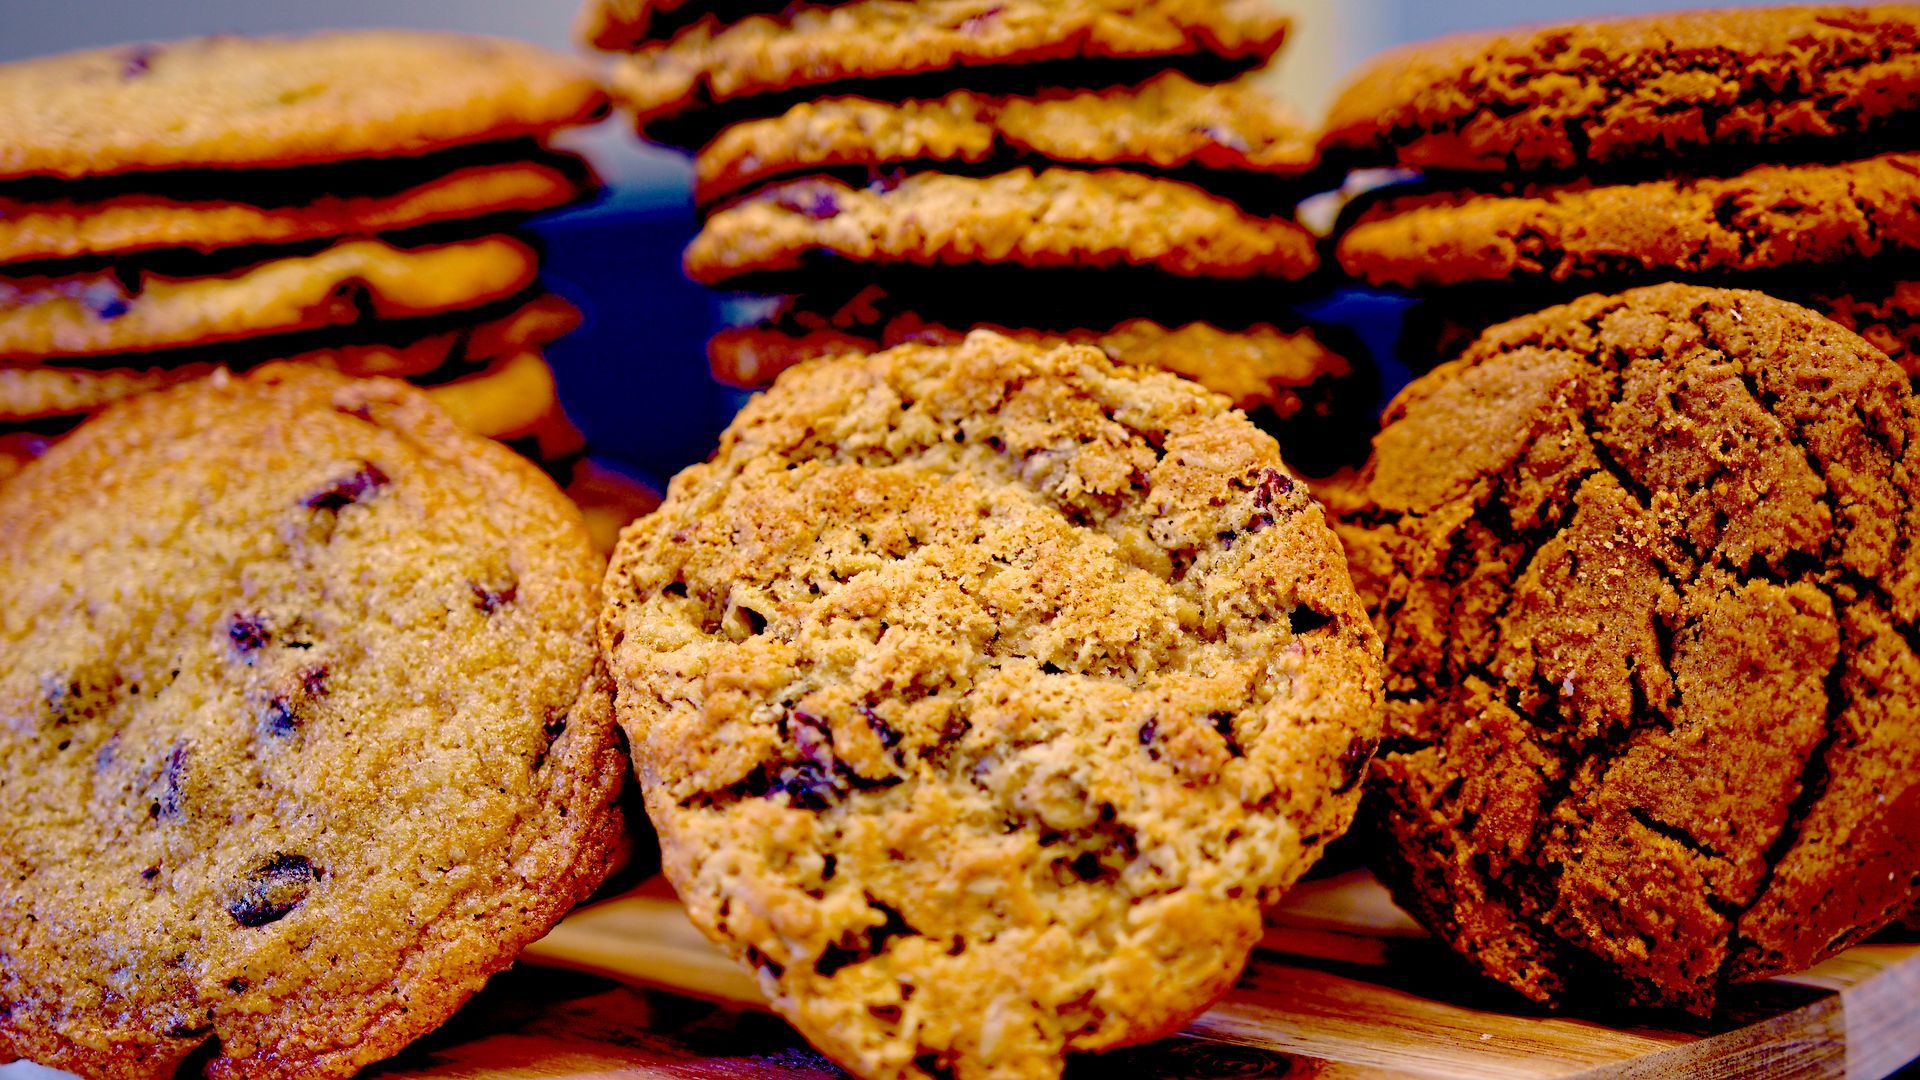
[981, 696]
[1052, 219]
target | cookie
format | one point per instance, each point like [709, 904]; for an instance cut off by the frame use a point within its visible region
[33, 391]
[1658, 86]
[982, 694]
[307, 734]
[1655, 705]
[1056, 218]
[610, 501]
[239, 102]
[1169, 122]
[507, 397]
[1260, 366]
[43, 318]
[1885, 312]
[1766, 218]
[122, 224]
[17, 448]
[804, 47]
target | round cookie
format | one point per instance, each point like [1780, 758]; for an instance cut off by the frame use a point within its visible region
[18, 448]
[355, 281]
[982, 694]
[609, 501]
[1884, 311]
[1604, 92]
[1169, 122]
[32, 391]
[1766, 218]
[1654, 720]
[1053, 219]
[307, 732]
[34, 230]
[809, 46]
[1260, 366]
[234, 102]
[507, 397]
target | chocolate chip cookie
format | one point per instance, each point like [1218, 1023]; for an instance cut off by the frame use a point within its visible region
[1169, 122]
[1053, 219]
[1654, 722]
[1766, 218]
[260, 102]
[982, 694]
[31, 391]
[69, 224]
[305, 731]
[355, 281]
[1606, 92]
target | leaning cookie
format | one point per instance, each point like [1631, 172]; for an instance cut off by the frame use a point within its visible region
[1766, 218]
[808, 46]
[1603, 92]
[1655, 726]
[1052, 219]
[1168, 122]
[307, 734]
[982, 694]
[238, 102]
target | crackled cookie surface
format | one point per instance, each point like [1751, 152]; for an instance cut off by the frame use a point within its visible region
[234, 101]
[1611, 91]
[1169, 122]
[1052, 219]
[302, 728]
[982, 694]
[815, 45]
[1765, 218]
[1655, 720]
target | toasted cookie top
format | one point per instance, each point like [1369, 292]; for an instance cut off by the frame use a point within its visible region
[1169, 122]
[1656, 703]
[982, 694]
[1765, 218]
[301, 723]
[238, 102]
[809, 46]
[1052, 219]
[1616, 90]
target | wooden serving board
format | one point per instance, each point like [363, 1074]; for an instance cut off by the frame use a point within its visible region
[1343, 985]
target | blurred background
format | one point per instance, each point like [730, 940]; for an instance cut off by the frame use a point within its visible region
[618, 258]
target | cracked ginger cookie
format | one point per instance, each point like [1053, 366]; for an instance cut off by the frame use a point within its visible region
[983, 694]
[1655, 720]
[303, 732]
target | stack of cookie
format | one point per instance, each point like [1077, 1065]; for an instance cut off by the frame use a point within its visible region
[900, 158]
[346, 199]
[1760, 147]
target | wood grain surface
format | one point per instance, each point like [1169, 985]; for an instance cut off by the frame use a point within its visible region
[1343, 985]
